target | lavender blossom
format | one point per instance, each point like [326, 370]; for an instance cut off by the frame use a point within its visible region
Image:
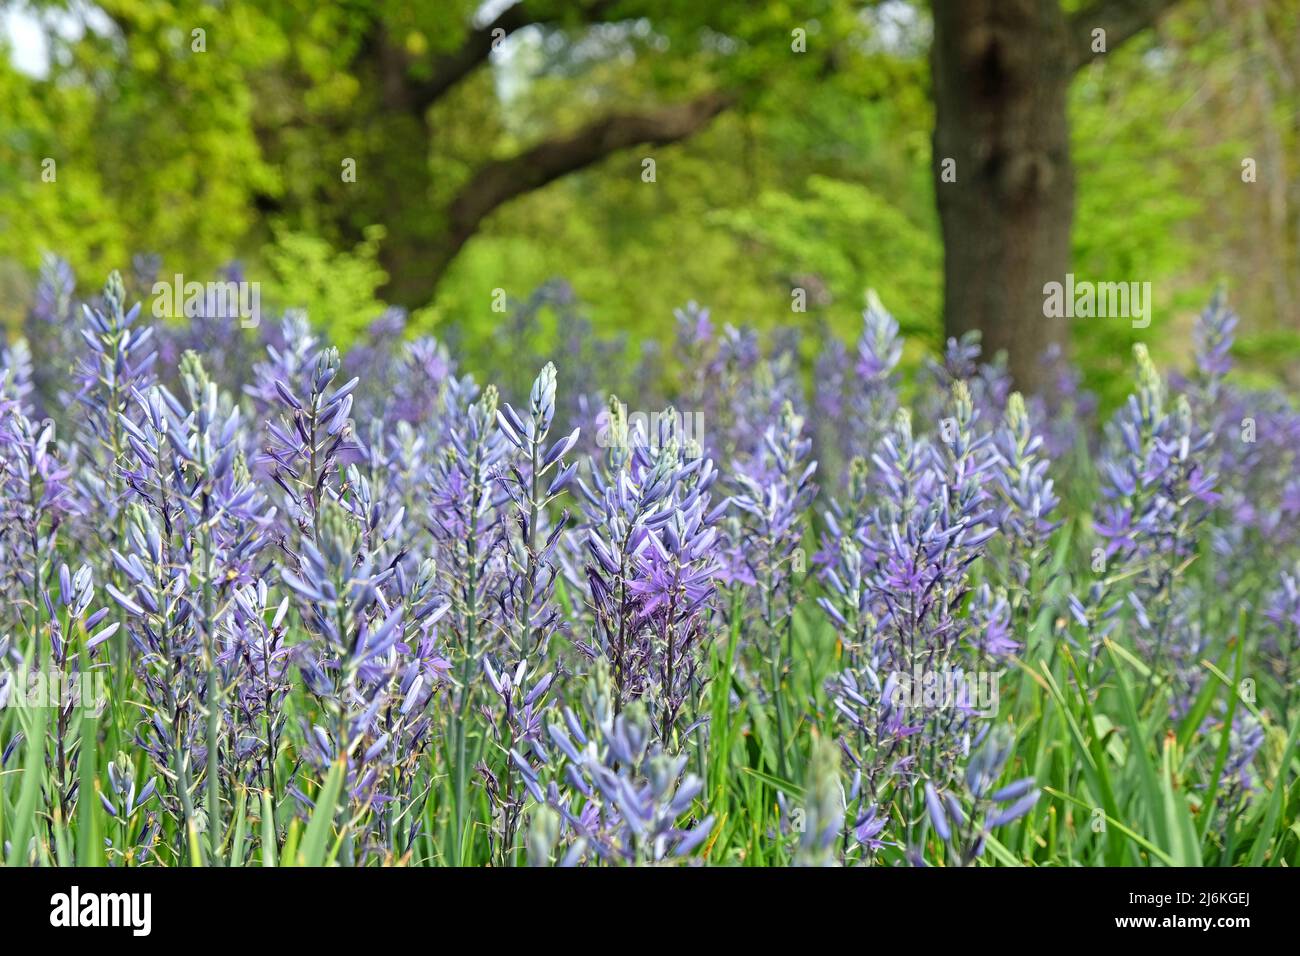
[304, 447]
[526, 599]
[516, 723]
[964, 815]
[465, 520]
[186, 466]
[371, 664]
[650, 569]
[118, 364]
[35, 498]
[1027, 498]
[1282, 644]
[874, 399]
[1155, 492]
[621, 799]
[771, 500]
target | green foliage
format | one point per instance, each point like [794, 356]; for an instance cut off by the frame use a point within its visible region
[155, 150]
[822, 168]
[853, 239]
[340, 290]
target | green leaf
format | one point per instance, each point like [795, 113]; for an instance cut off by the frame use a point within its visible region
[35, 720]
[1183, 841]
[241, 823]
[321, 825]
[1264, 837]
[268, 829]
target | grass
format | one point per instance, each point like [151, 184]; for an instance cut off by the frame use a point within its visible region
[1124, 783]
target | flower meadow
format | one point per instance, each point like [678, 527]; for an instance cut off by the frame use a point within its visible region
[270, 603]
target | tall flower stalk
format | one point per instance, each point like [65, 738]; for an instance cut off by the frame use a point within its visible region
[772, 496]
[118, 363]
[465, 520]
[529, 615]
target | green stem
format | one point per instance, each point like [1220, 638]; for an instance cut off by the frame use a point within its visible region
[461, 771]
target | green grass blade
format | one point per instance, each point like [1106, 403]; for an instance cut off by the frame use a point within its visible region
[321, 825]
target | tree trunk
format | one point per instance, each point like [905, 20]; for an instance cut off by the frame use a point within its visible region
[1001, 71]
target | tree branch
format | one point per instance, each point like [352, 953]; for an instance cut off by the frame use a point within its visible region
[502, 180]
[1121, 19]
[450, 68]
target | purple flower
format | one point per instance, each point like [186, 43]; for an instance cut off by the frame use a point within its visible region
[1155, 493]
[620, 796]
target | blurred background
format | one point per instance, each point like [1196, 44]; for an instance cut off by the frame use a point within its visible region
[599, 164]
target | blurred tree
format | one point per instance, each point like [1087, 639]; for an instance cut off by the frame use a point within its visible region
[209, 131]
[1003, 177]
[659, 73]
